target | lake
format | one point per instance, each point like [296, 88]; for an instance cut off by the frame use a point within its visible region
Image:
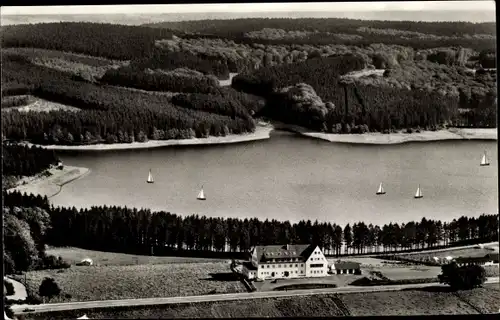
[289, 177]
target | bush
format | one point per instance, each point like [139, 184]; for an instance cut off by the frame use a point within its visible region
[51, 262]
[49, 288]
[462, 278]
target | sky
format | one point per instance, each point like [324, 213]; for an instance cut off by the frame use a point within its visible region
[253, 7]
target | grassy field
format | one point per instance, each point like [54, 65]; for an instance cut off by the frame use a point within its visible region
[101, 258]
[411, 302]
[138, 281]
[467, 252]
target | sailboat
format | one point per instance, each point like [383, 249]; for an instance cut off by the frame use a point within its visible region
[418, 195]
[150, 177]
[484, 160]
[201, 195]
[380, 189]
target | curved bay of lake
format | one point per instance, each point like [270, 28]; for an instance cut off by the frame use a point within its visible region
[291, 178]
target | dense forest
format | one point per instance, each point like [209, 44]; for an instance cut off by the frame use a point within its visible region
[21, 160]
[418, 35]
[108, 114]
[352, 105]
[142, 231]
[294, 70]
[95, 39]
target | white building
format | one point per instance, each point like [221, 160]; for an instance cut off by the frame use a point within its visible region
[288, 261]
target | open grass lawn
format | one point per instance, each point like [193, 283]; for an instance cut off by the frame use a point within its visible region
[411, 302]
[408, 272]
[139, 281]
[100, 258]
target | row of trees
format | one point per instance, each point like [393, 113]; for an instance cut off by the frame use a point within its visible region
[96, 39]
[132, 230]
[159, 81]
[332, 25]
[107, 113]
[21, 160]
[25, 230]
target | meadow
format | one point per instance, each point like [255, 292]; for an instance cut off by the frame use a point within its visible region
[101, 258]
[88, 283]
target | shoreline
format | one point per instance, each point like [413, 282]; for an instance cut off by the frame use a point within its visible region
[394, 138]
[262, 132]
[49, 185]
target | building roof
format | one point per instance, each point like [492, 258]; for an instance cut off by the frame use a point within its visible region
[342, 265]
[284, 251]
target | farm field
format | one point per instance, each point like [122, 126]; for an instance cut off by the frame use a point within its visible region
[101, 258]
[411, 302]
[422, 302]
[81, 283]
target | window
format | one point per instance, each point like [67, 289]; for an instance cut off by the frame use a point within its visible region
[291, 265]
[317, 265]
[301, 264]
[274, 266]
[279, 265]
[296, 265]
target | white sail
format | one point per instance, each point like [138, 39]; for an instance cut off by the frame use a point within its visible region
[484, 160]
[150, 177]
[380, 188]
[201, 195]
[418, 194]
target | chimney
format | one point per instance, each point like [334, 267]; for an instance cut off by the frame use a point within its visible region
[287, 247]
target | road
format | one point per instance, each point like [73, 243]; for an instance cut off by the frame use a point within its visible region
[18, 309]
[19, 290]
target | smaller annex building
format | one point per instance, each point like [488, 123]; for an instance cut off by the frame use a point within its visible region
[488, 260]
[287, 261]
[345, 267]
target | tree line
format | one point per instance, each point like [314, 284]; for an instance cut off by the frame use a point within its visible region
[166, 60]
[122, 229]
[111, 41]
[333, 25]
[327, 31]
[21, 160]
[25, 230]
[108, 114]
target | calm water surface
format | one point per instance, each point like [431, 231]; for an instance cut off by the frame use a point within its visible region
[290, 177]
